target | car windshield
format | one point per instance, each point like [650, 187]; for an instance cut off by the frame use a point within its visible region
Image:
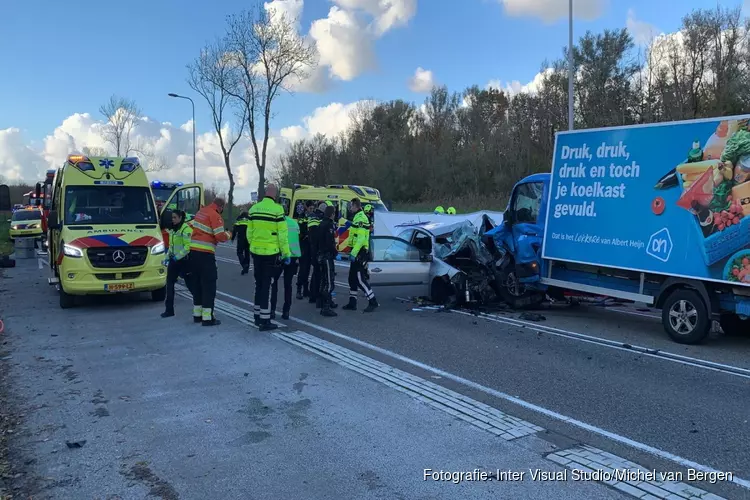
[108, 205]
[26, 215]
[162, 194]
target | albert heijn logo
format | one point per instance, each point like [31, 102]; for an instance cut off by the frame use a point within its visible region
[660, 245]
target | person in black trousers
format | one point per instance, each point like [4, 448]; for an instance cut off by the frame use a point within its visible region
[313, 224]
[327, 252]
[303, 277]
[239, 233]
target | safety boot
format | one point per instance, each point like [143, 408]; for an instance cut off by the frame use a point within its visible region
[352, 305]
[285, 312]
[328, 312]
[372, 305]
[167, 314]
[256, 317]
[267, 326]
[208, 319]
[197, 314]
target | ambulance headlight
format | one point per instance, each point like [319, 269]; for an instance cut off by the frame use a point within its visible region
[157, 249]
[72, 251]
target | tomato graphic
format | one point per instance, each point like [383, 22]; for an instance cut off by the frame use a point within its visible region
[658, 205]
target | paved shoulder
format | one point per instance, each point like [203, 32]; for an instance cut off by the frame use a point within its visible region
[122, 402]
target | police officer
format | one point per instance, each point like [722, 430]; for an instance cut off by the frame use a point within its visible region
[313, 223]
[208, 232]
[177, 258]
[239, 233]
[269, 245]
[327, 252]
[359, 241]
[303, 286]
[288, 271]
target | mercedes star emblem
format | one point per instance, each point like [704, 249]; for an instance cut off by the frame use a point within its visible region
[118, 257]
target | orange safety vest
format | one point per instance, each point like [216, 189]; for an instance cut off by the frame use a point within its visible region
[208, 230]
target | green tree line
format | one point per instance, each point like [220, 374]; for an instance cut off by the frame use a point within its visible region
[469, 148]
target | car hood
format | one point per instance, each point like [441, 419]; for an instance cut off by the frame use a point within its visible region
[456, 237]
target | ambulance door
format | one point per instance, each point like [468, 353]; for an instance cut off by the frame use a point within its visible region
[188, 198]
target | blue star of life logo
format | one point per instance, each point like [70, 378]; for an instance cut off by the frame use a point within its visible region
[106, 163]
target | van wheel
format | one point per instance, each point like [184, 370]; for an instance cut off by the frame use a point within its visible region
[684, 316]
[66, 300]
[159, 295]
[733, 325]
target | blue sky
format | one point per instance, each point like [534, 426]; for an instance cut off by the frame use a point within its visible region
[68, 57]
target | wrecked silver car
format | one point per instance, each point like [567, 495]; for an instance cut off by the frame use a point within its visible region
[448, 258]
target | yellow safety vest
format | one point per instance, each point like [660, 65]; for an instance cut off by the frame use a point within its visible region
[267, 230]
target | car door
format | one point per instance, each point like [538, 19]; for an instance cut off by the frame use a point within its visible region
[396, 262]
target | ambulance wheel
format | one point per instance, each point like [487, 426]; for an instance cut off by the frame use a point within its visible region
[684, 316]
[159, 295]
[66, 300]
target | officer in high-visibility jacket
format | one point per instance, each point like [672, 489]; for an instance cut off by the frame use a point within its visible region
[313, 223]
[208, 232]
[359, 241]
[239, 233]
[303, 276]
[177, 259]
[287, 270]
[268, 235]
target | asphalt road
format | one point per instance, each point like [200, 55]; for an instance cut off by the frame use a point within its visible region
[682, 408]
[119, 403]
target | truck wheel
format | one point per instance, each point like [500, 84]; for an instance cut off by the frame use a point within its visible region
[66, 300]
[685, 317]
[159, 295]
[733, 325]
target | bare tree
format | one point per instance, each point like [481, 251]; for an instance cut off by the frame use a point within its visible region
[121, 115]
[149, 158]
[94, 151]
[211, 75]
[267, 55]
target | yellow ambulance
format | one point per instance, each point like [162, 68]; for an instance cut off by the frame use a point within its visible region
[103, 230]
[294, 200]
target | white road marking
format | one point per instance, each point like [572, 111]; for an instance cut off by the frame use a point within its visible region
[236, 262]
[613, 344]
[633, 313]
[684, 462]
[626, 476]
[478, 414]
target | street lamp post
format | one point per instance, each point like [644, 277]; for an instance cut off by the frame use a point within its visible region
[193, 104]
[571, 115]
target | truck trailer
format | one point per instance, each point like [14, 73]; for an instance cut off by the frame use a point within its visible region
[657, 213]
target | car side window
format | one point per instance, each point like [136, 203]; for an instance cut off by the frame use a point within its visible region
[406, 235]
[393, 249]
[527, 201]
[189, 200]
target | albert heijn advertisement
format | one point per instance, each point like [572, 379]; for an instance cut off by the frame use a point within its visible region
[672, 198]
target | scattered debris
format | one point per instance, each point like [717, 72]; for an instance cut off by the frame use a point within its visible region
[530, 316]
[75, 444]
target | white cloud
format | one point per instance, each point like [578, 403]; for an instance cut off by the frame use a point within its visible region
[516, 87]
[643, 33]
[553, 10]
[20, 161]
[422, 81]
[345, 40]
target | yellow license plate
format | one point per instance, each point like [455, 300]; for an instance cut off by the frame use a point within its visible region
[119, 287]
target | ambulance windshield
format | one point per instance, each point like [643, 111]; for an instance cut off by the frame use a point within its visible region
[88, 205]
